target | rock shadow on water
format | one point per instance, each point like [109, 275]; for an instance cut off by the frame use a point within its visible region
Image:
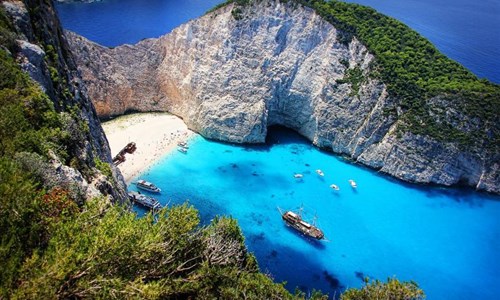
[248, 171]
[298, 269]
[206, 208]
[258, 219]
[320, 245]
[361, 276]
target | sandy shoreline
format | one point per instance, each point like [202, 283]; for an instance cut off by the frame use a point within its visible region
[155, 134]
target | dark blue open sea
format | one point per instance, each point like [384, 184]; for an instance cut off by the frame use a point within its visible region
[468, 31]
[116, 22]
[447, 240]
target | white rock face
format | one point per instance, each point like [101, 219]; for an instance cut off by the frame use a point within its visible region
[278, 65]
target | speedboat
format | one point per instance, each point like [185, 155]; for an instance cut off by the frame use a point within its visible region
[353, 183]
[147, 186]
[335, 187]
[183, 150]
[320, 173]
[298, 175]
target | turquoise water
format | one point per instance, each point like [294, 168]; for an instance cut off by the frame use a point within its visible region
[447, 240]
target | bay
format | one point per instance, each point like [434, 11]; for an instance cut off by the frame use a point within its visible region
[447, 240]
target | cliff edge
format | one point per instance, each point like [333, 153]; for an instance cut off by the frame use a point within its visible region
[76, 157]
[239, 69]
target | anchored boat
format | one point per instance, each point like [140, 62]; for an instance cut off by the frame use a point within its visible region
[295, 221]
[144, 200]
[353, 183]
[147, 186]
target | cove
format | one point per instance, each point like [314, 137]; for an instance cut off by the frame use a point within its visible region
[447, 240]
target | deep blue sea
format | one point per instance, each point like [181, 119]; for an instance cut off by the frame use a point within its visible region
[447, 240]
[116, 22]
[468, 31]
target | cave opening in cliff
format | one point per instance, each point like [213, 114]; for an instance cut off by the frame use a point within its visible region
[279, 134]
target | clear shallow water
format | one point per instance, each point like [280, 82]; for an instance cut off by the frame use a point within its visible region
[467, 31]
[448, 240]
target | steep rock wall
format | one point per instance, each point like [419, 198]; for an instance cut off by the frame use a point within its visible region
[42, 52]
[280, 64]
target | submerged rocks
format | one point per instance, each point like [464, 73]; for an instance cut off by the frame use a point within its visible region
[276, 64]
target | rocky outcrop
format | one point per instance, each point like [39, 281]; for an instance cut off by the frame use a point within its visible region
[275, 63]
[42, 51]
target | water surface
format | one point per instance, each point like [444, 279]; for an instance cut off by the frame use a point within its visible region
[115, 22]
[465, 30]
[447, 240]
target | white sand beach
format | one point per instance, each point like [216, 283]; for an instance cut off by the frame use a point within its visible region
[155, 134]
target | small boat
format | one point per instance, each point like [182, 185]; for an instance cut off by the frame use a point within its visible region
[144, 200]
[320, 173]
[295, 221]
[147, 186]
[353, 183]
[298, 175]
[335, 187]
[182, 144]
[182, 150]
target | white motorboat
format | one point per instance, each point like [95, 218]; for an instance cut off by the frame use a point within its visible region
[147, 186]
[335, 187]
[353, 183]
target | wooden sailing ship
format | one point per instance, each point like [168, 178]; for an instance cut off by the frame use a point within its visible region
[295, 221]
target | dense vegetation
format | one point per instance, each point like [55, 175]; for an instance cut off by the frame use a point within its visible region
[53, 246]
[392, 289]
[106, 252]
[29, 130]
[414, 72]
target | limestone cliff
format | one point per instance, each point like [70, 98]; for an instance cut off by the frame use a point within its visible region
[42, 51]
[231, 76]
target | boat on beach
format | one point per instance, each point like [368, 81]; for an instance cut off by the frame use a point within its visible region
[144, 200]
[147, 186]
[182, 150]
[183, 144]
[295, 221]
